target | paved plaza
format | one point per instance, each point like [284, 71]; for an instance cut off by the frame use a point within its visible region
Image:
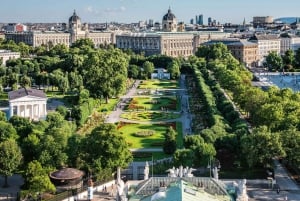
[288, 80]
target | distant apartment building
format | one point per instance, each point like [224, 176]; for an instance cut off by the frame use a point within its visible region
[75, 31]
[6, 55]
[244, 51]
[266, 44]
[262, 21]
[15, 27]
[289, 43]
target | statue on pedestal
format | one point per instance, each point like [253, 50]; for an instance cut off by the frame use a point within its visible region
[146, 171]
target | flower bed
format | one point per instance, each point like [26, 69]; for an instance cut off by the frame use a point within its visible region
[144, 133]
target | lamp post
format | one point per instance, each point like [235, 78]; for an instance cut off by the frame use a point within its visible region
[209, 166]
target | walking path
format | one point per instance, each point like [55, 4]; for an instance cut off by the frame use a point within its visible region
[284, 189]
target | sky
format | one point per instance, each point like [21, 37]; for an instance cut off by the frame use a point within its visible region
[126, 11]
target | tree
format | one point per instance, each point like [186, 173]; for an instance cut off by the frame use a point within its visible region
[105, 148]
[22, 125]
[183, 157]
[289, 59]
[170, 145]
[55, 119]
[7, 131]
[37, 179]
[133, 71]
[148, 68]
[174, 69]
[291, 145]
[2, 116]
[274, 61]
[261, 146]
[106, 73]
[10, 158]
[297, 57]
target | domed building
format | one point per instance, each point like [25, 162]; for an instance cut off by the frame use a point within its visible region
[169, 22]
[74, 21]
[75, 28]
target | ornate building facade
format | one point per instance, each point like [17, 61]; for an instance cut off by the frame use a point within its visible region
[169, 22]
[171, 41]
[76, 30]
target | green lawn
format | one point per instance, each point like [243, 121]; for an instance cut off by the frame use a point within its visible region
[107, 106]
[169, 103]
[153, 141]
[149, 116]
[159, 84]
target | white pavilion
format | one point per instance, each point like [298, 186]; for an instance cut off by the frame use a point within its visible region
[30, 103]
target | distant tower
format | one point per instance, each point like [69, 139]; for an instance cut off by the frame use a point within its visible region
[209, 21]
[244, 23]
[197, 20]
[200, 19]
[74, 26]
[169, 22]
[192, 21]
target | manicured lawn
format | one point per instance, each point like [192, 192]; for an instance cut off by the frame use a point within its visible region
[154, 141]
[149, 116]
[148, 103]
[159, 84]
[108, 106]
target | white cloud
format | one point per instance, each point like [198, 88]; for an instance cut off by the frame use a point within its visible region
[115, 10]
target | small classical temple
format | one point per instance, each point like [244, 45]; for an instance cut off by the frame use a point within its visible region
[30, 103]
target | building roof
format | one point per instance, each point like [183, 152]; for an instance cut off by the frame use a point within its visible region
[265, 37]
[67, 174]
[26, 92]
[74, 18]
[169, 15]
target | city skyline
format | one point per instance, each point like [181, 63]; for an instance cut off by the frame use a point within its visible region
[127, 11]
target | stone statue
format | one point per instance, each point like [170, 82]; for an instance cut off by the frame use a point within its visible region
[120, 187]
[189, 172]
[180, 171]
[215, 173]
[146, 171]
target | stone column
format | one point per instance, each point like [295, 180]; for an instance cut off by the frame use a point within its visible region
[11, 110]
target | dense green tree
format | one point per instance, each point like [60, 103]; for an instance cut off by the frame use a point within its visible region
[105, 148]
[183, 157]
[2, 116]
[261, 146]
[297, 57]
[55, 119]
[31, 147]
[148, 68]
[174, 69]
[291, 144]
[133, 71]
[37, 179]
[84, 42]
[7, 131]
[25, 81]
[22, 125]
[170, 145]
[10, 158]
[288, 59]
[106, 73]
[274, 61]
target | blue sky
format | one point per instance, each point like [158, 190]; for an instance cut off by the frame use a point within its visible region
[135, 10]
